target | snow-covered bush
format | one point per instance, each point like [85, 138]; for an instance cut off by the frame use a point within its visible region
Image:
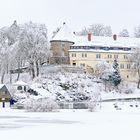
[41, 105]
[127, 88]
[95, 100]
[92, 105]
[67, 87]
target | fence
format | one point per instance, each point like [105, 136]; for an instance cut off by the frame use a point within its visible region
[76, 105]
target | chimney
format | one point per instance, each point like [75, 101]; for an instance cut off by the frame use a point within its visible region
[89, 36]
[115, 37]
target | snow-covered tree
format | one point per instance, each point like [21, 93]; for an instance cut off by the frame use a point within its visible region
[115, 77]
[22, 45]
[105, 71]
[97, 30]
[137, 31]
[124, 33]
[5, 53]
[33, 43]
[134, 58]
[84, 31]
[107, 31]
[12, 33]
[108, 73]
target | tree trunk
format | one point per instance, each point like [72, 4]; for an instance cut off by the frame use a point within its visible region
[18, 71]
[18, 76]
[32, 69]
[7, 69]
[37, 69]
[10, 77]
[2, 77]
[138, 86]
[105, 85]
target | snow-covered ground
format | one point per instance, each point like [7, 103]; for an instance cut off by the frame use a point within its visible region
[106, 124]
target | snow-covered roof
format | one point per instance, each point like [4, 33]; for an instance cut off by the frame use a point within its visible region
[20, 83]
[107, 41]
[1, 85]
[99, 51]
[64, 34]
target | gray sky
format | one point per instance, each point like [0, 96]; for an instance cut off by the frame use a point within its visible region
[76, 13]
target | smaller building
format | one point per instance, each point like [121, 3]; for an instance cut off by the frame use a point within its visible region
[21, 86]
[5, 96]
[60, 45]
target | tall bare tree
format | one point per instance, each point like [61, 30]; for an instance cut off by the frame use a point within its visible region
[33, 42]
[137, 31]
[124, 33]
[97, 30]
[134, 58]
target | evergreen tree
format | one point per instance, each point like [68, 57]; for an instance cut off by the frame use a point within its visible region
[116, 78]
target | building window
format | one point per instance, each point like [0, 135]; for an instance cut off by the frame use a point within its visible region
[74, 64]
[109, 56]
[116, 56]
[134, 66]
[63, 45]
[127, 76]
[6, 92]
[98, 55]
[19, 88]
[128, 66]
[121, 66]
[73, 54]
[84, 55]
[125, 57]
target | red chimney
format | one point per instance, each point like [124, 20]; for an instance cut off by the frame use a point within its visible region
[115, 37]
[89, 36]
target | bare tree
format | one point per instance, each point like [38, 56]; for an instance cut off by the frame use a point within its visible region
[137, 31]
[97, 30]
[107, 31]
[4, 54]
[105, 71]
[124, 33]
[12, 33]
[84, 31]
[134, 58]
[33, 42]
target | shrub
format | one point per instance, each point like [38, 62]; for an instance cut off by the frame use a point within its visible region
[41, 105]
[92, 106]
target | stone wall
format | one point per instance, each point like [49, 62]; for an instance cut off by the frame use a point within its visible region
[60, 54]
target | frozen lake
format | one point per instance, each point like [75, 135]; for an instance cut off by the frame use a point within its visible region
[70, 125]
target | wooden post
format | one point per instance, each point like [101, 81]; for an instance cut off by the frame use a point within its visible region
[3, 102]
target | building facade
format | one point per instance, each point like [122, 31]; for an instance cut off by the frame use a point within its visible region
[60, 51]
[89, 53]
[5, 96]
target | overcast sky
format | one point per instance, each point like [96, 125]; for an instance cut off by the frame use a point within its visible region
[76, 13]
